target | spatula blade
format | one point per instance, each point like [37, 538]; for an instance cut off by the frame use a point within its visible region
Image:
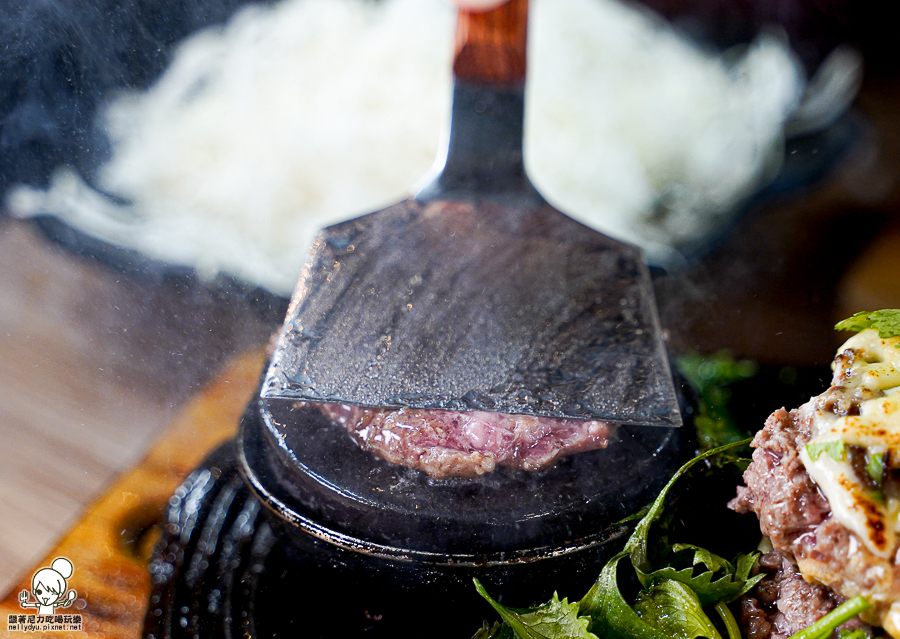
[478, 304]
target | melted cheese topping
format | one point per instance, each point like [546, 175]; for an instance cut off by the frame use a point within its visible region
[862, 409]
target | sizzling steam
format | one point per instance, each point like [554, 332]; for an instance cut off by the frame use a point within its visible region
[312, 111]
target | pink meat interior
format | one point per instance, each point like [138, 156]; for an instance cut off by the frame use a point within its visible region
[466, 443]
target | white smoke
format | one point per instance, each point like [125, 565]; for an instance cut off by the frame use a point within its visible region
[313, 111]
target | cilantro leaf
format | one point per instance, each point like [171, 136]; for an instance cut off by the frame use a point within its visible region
[671, 603]
[611, 614]
[726, 588]
[497, 631]
[731, 583]
[743, 564]
[710, 376]
[711, 589]
[712, 561]
[554, 620]
[637, 545]
[673, 608]
[885, 321]
[835, 449]
[718, 369]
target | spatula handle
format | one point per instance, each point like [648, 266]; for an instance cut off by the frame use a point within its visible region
[490, 45]
[484, 149]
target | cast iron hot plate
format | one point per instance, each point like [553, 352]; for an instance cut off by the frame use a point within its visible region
[229, 565]
[226, 569]
[310, 470]
[303, 530]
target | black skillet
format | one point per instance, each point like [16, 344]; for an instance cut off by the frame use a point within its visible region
[227, 568]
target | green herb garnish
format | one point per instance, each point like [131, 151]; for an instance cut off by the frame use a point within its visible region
[875, 468]
[555, 619]
[720, 581]
[674, 602]
[885, 321]
[497, 631]
[711, 376]
[834, 449]
[728, 619]
[674, 609]
[837, 617]
[711, 578]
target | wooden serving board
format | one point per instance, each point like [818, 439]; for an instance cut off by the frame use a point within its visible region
[111, 546]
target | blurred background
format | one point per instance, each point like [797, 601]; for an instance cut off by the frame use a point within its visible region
[752, 147]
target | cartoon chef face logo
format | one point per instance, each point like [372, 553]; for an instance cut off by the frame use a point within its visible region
[48, 587]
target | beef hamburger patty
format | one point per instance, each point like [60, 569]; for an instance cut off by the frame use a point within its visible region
[824, 482]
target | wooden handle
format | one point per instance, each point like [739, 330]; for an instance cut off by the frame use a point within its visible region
[490, 45]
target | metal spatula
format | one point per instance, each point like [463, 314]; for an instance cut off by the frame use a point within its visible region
[476, 294]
